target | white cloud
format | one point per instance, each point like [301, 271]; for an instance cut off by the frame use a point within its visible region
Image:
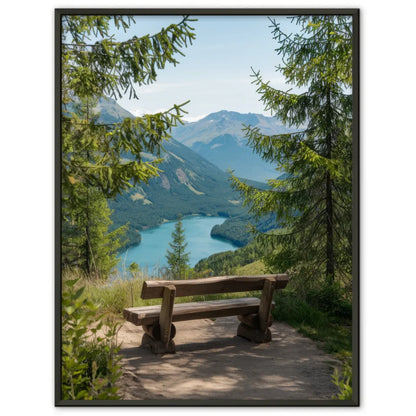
[191, 119]
[140, 111]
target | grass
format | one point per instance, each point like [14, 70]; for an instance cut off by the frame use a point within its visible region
[111, 297]
[254, 268]
[332, 333]
[115, 296]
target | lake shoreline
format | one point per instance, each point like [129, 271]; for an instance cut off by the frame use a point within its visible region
[128, 246]
[150, 253]
[165, 220]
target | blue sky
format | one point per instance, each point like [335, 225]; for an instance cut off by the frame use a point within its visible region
[215, 71]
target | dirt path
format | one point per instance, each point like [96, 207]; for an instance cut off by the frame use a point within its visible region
[211, 363]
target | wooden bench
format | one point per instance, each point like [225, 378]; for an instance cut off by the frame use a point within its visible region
[254, 314]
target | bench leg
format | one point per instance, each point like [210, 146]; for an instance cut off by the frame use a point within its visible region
[256, 327]
[165, 318]
[151, 337]
[157, 346]
[160, 335]
[154, 331]
[254, 334]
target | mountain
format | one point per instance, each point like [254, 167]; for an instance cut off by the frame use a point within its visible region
[188, 184]
[110, 111]
[224, 122]
[219, 138]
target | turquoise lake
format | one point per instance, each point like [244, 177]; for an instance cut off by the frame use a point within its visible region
[150, 253]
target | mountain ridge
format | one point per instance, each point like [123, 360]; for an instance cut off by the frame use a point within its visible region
[219, 138]
[230, 122]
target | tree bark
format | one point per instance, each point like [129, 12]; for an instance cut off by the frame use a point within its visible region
[87, 247]
[330, 257]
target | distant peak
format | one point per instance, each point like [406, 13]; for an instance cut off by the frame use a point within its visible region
[222, 113]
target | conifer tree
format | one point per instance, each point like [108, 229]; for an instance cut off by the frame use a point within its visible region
[177, 258]
[87, 243]
[94, 65]
[312, 199]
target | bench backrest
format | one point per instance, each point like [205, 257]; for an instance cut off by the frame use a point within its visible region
[211, 285]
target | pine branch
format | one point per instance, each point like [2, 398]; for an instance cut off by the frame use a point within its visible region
[135, 39]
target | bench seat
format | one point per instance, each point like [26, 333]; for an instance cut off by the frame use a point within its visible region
[148, 315]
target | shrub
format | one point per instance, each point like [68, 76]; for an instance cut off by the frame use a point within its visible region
[329, 298]
[292, 309]
[90, 366]
[343, 381]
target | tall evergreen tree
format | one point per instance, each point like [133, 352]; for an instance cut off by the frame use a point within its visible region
[87, 243]
[92, 152]
[312, 200]
[177, 258]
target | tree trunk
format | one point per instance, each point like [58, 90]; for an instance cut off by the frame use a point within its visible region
[87, 246]
[88, 252]
[330, 258]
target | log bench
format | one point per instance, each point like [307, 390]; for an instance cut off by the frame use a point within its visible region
[254, 314]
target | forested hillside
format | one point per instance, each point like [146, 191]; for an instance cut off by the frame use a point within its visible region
[238, 229]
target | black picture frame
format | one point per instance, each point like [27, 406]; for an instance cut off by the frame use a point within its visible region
[355, 13]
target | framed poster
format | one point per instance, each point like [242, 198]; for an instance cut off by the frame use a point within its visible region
[207, 207]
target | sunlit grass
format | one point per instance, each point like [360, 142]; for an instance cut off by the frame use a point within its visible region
[254, 268]
[113, 296]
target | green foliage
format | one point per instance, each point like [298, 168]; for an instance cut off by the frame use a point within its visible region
[343, 381]
[331, 299]
[86, 240]
[93, 161]
[90, 362]
[319, 325]
[114, 68]
[94, 153]
[292, 309]
[133, 268]
[110, 68]
[312, 201]
[177, 258]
